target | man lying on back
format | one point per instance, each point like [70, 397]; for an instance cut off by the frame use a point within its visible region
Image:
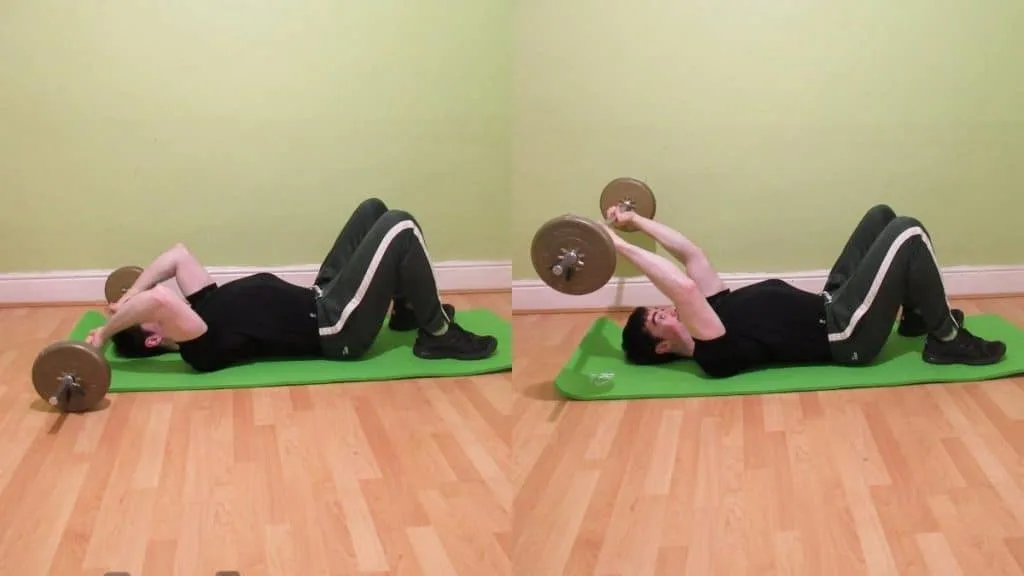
[378, 262]
[887, 264]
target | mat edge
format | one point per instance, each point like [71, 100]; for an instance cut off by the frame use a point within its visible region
[558, 381]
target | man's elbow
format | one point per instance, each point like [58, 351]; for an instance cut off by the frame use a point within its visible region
[179, 249]
[688, 254]
[685, 290]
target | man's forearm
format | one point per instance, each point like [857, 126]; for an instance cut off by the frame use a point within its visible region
[672, 240]
[142, 308]
[694, 311]
[665, 274]
[161, 269]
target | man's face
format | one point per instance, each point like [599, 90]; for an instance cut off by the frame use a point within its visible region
[663, 323]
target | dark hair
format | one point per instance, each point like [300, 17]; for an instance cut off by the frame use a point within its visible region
[639, 344]
[131, 343]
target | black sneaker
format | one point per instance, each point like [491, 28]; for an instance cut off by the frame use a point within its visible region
[912, 325]
[457, 344]
[404, 320]
[965, 348]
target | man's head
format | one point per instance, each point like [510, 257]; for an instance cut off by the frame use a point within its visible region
[655, 335]
[141, 341]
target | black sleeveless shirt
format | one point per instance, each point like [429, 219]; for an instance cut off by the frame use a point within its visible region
[256, 317]
[766, 323]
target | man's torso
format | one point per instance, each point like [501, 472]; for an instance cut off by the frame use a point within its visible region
[766, 323]
[259, 316]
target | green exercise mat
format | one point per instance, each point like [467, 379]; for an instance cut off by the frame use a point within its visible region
[598, 371]
[391, 358]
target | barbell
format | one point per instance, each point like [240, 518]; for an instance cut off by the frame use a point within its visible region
[576, 255]
[72, 375]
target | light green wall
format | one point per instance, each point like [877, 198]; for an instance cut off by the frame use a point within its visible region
[767, 128]
[249, 130]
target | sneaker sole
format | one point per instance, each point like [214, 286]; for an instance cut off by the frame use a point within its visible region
[482, 355]
[944, 362]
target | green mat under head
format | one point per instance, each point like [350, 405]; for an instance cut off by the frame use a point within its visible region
[391, 358]
[598, 370]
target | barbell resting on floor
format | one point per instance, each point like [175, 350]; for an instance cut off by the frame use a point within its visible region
[576, 255]
[74, 376]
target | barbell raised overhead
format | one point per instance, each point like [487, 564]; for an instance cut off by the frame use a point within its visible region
[71, 376]
[573, 255]
[120, 281]
[630, 194]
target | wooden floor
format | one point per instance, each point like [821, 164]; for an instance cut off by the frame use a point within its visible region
[495, 475]
[381, 478]
[910, 480]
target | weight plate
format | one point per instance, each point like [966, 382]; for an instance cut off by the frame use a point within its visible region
[79, 359]
[588, 239]
[120, 281]
[637, 191]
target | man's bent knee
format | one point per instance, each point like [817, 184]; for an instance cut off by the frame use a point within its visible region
[397, 217]
[882, 211]
[374, 205]
[906, 223]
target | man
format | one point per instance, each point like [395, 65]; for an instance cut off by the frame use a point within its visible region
[378, 262]
[886, 265]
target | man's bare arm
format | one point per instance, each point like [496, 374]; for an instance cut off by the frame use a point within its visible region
[694, 311]
[159, 305]
[698, 267]
[178, 263]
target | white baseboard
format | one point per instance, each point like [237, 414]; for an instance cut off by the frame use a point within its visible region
[534, 295]
[87, 285]
[470, 276]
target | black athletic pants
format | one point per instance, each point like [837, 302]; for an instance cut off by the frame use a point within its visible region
[887, 263]
[379, 257]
